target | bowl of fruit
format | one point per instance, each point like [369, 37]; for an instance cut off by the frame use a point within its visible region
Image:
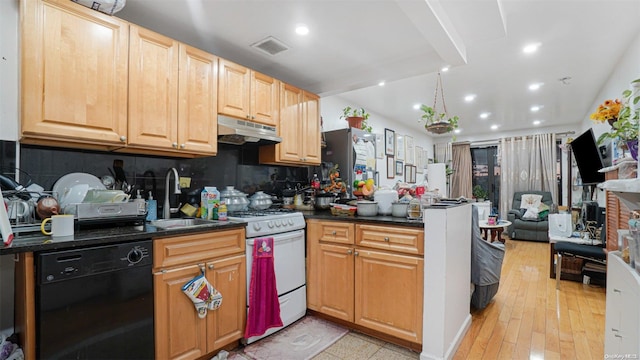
[364, 188]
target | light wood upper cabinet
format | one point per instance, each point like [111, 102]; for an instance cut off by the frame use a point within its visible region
[172, 95]
[74, 75]
[299, 129]
[247, 94]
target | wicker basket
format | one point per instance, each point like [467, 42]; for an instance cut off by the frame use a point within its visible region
[439, 128]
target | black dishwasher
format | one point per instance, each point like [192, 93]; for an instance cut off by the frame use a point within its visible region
[95, 302]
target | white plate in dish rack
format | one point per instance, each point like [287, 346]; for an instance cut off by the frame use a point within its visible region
[62, 187]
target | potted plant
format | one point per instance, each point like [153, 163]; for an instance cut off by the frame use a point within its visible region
[436, 122]
[623, 116]
[479, 193]
[356, 117]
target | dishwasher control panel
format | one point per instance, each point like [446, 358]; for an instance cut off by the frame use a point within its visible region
[65, 264]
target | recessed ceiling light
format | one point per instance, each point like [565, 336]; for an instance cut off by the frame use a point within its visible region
[457, 131]
[537, 122]
[484, 115]
[416, 106]
[444, 69]
[470, 97]
[535, 86]
[535, 108]
[381, 83]
[302, 29]
[531, 48]
[494, 127]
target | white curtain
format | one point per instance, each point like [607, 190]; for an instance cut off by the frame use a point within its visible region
[527, 164]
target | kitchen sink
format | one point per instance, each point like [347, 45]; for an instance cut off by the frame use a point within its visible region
[168, 224]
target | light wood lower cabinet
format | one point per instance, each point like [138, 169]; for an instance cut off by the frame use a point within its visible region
[380, 290]
[179, 332]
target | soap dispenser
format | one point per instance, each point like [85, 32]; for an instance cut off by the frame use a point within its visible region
[152, 208]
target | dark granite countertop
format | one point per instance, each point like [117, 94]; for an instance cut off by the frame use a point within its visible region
[109, 235]
[91, 236]
[380, 219]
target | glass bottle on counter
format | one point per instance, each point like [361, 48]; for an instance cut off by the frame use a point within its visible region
[414, 211]
[315, 185]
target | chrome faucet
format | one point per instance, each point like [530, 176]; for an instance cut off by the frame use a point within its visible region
[167, 210]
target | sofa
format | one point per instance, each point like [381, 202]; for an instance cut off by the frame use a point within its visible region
[523, 225]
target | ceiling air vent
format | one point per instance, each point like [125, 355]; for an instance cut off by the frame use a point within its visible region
[270, 46]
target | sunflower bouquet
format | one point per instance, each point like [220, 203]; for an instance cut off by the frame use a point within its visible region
[606, 111]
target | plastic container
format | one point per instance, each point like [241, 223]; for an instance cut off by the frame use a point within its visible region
[385, 197]
[222, 211]
[152, 208]
[209, 202]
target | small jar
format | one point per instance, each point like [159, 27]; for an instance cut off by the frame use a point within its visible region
[414, 211]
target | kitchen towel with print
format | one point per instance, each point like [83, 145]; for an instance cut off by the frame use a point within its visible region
[264, 307]
[203, 295]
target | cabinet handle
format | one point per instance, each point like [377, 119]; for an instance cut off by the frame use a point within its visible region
[356, 253]
[210, 266]
[175, 145]
[386, 238]
[614, 329]
[123, 138]
[253, 117]
[333, 233]
[618, 336]
[201, 266]
[248, 116]
[182, 146]
[349, 252]
[617, 290]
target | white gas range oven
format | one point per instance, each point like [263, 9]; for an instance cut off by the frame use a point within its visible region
[287, 229]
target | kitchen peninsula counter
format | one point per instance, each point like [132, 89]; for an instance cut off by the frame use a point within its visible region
[91, 236]
[374, 220]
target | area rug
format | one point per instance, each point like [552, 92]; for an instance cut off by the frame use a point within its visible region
[302, 340]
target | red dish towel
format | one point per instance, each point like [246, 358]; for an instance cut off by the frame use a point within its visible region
[264, 308]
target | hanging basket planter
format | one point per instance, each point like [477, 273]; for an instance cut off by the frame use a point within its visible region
[438, 122]
[355, 121]
[439, 128]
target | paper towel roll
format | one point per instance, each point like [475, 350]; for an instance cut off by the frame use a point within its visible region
[437, 178]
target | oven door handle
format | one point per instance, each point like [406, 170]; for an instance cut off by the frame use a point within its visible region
[280, 238]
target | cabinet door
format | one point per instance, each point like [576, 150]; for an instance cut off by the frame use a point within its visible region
[198, 106]
[265, 97]
[74, 78]
[336, 281]
[226, 324]
[153, 90]
[179, 332]
[326, 231]
[290, 122]
[310, 128]
[388, 293]
[234, 89]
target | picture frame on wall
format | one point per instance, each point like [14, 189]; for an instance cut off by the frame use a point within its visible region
[389, 142]
[420, 163]
[400, 152]
[399, 168]
[391, 171]
[410, 155]
[379, 146]
[410, 174]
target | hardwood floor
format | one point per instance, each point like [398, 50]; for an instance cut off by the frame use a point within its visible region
[530, 319]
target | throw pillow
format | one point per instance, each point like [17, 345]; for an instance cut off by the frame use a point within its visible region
[531, 214]
[528, 201]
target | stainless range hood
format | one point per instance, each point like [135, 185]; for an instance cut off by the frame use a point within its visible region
[237, 132]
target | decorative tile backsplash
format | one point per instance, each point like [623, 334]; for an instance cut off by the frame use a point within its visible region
[234, 165]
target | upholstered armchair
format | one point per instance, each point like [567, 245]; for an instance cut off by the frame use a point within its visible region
[530, 225]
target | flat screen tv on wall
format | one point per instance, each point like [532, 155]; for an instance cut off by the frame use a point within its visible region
[588, 158]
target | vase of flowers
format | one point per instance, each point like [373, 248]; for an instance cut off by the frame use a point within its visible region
[623, 116]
